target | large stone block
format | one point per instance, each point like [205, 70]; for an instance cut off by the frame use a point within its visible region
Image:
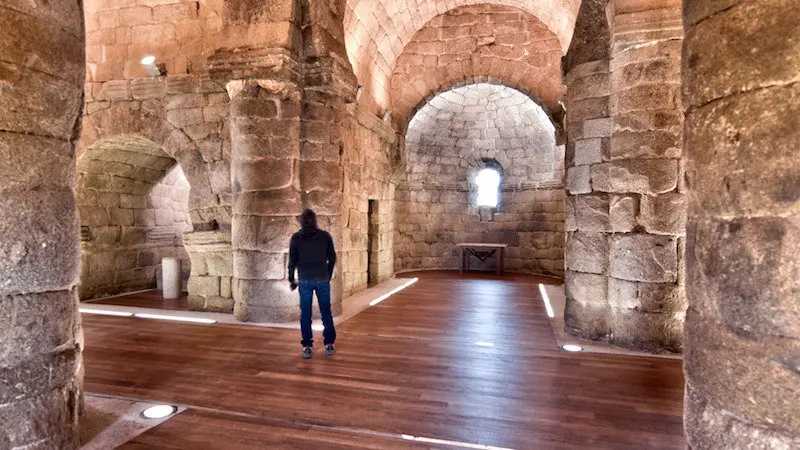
[587, 252]
[259, 265]
[592, 212]
[586, 310]
[727, 367]
[644, 176]
[645, 331]
[203, 286]
[578, 180]
[41, 246]
[642, 257]
[645, 144]
[622, 212]
[742, 153]
[664, 214]
[663, 298]
[276, 202]
[262, 174]
[744, 272]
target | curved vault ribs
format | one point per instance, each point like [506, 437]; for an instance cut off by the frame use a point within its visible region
[377, 31]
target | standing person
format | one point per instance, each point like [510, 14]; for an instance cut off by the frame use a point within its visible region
[311, 252]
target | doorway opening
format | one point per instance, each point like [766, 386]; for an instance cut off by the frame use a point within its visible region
[372, 243]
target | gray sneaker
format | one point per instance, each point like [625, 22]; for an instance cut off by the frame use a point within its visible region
[306, 352]
[329, 350]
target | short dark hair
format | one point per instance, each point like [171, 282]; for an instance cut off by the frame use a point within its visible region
[308, 218]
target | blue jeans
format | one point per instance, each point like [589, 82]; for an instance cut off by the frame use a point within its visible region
[323, 288]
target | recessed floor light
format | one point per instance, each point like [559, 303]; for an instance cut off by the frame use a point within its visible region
[484, 344]
[317, 327]
[159, 411]
[393, 291]
[105, 312]
[175, 318]
[572, 348]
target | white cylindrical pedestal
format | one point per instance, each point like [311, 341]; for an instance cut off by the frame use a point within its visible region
[171, 277]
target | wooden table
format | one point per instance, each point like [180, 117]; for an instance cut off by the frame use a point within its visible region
[482, 252]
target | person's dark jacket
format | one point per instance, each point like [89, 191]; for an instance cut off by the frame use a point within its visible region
[311, 252]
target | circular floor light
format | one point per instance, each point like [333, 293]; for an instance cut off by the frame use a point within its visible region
[572, 348]
[159, 411]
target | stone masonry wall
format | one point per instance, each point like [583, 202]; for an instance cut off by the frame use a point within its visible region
[446, 143]
[179, 33]
[625, 210]
[126, 233]
[371, 162]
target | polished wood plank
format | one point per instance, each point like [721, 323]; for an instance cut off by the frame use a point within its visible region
[409, 365]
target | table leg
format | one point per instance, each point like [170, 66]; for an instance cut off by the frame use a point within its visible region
[499, 261]
[467, 256]
[461, 264]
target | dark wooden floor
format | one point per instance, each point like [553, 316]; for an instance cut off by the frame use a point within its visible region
[409, 365]
[147, 299]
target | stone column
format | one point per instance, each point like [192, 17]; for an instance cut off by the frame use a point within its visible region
[265, 149]
[589, 128]
[741, 67]
[328, 87]
[40, 339]
[626, 211]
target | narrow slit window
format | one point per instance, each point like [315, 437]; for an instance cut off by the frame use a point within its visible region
[488, 181]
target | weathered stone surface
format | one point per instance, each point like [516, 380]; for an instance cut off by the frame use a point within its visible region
[644, 176]
[744, 272]
[587, 252]
[663, 298]
[741, 382]
[646, 331]
[578, 180]
[663, 214]
[622, 212]
[592, 212]
[258, 265]
[643, 257]
[586, 310]
[742, 152]
[588, 151]
[645, 144]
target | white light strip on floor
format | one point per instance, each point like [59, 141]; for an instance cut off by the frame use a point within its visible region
[547, 304]
[317, 327]
[105, 312]
[393, 291]
[452, 443]
[175, 318]
[484, 344]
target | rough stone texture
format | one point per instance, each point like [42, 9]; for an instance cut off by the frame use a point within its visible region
[40, 338]
[742, 135]
[378, 31]
[446, 144]
[624, 174]
[212, 268]
[498, 42]
[134, 206]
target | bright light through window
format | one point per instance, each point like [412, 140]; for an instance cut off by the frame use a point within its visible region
[488, 181]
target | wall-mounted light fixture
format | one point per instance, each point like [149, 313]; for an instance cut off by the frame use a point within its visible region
[386, 115]
[359, 91]
[153, 69]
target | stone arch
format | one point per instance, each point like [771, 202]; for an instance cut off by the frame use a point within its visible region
[376, 32]
[448, 140]
[133, 200]
[189, 145]
[485, 42]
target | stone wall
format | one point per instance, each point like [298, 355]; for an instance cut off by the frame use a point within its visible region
[447, 142]
[485, 40]
[179, 33]
[371, 162]
[211, 283]
[741, 91]
[625, 210]
[130, 221]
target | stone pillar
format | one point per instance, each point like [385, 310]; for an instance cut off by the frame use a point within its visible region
[265, 149]
[626, 211]
[741, 67]
[328, 87]
[40, 339]
[589, 128]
